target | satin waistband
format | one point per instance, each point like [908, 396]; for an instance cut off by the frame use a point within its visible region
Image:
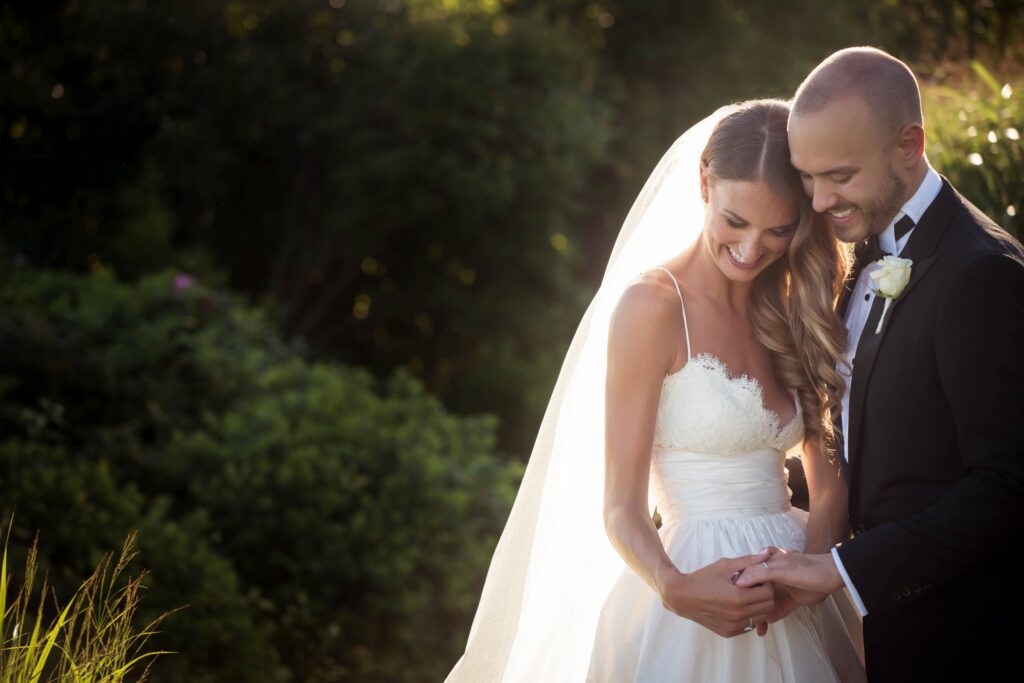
[687, 485]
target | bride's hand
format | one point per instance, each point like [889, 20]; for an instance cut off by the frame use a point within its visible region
[709, 597]
[784, 604]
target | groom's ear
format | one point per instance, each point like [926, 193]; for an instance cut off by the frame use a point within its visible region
[911, 144]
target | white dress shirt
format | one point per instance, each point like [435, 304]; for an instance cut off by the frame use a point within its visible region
[861, 300]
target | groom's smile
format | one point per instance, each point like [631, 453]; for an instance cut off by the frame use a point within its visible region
[841, 216]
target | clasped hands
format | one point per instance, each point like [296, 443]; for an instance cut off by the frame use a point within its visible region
[734, 594]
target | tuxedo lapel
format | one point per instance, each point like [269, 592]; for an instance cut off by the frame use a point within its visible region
[922, 250]
[863, 363]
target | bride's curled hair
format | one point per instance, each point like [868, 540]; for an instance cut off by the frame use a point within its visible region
[792, 302]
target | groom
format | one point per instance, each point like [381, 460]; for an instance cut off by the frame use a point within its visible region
[931, 431]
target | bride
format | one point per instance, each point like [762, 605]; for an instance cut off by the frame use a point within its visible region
[690, 377]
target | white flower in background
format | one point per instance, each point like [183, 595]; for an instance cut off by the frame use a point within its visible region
[890, 281]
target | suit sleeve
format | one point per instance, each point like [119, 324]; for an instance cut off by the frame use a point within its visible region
[979, 349]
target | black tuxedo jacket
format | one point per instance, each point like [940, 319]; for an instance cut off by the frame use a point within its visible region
[936, 463]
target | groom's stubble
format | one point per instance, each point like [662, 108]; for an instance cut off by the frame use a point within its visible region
[877, 216]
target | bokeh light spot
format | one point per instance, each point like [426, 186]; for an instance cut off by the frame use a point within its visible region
[560, 242]
[361, 308]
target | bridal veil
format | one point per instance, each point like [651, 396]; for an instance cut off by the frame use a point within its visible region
[554, 565]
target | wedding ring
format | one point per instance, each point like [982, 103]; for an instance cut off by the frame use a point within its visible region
[750, 627]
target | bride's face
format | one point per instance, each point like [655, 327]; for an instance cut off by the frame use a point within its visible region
[747, 227]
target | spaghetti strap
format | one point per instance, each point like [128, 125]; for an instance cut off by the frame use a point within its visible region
[686, 328]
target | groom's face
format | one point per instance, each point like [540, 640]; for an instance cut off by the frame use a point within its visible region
[847, 162]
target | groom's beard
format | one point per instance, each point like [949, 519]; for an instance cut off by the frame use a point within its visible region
[876, 215]
[890, 200]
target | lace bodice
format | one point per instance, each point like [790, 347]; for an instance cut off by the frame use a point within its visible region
[705, 409]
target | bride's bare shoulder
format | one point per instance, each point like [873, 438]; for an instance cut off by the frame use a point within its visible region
[649, 305]
[653, 287]
[644, 329]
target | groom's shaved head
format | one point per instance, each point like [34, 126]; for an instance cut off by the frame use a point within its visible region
[880, 80]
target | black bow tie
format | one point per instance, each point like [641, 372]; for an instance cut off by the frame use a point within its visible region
[902, 227]
[869, 250]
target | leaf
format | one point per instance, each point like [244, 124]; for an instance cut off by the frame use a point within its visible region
[50, 639]
[986, 76]
[3, 579]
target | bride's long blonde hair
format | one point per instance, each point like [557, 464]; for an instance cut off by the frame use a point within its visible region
[792, 305]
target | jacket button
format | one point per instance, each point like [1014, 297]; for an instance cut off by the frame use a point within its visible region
[896, 596]
[905, 592]
[859, 530]
[916, 588]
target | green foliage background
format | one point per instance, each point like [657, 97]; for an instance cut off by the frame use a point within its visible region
[318, 521]
[285, 284]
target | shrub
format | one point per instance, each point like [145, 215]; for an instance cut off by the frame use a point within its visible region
[321, 525]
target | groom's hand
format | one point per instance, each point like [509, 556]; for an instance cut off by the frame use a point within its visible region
[797, 596]
[809, 579]
[709, 597]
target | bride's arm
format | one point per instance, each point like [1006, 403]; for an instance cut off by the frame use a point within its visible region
[829, 520]
[640, 352]
[644, 335]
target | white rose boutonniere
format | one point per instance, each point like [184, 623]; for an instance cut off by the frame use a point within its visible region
[890, 280]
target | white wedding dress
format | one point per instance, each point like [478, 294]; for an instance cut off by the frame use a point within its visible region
[717, 474]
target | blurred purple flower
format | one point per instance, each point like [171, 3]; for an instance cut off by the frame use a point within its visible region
[183, 281]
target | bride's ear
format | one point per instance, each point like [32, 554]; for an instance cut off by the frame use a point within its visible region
[703, 181]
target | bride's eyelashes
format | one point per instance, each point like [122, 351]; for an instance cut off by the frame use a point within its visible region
[733, 220]
[778, 232]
